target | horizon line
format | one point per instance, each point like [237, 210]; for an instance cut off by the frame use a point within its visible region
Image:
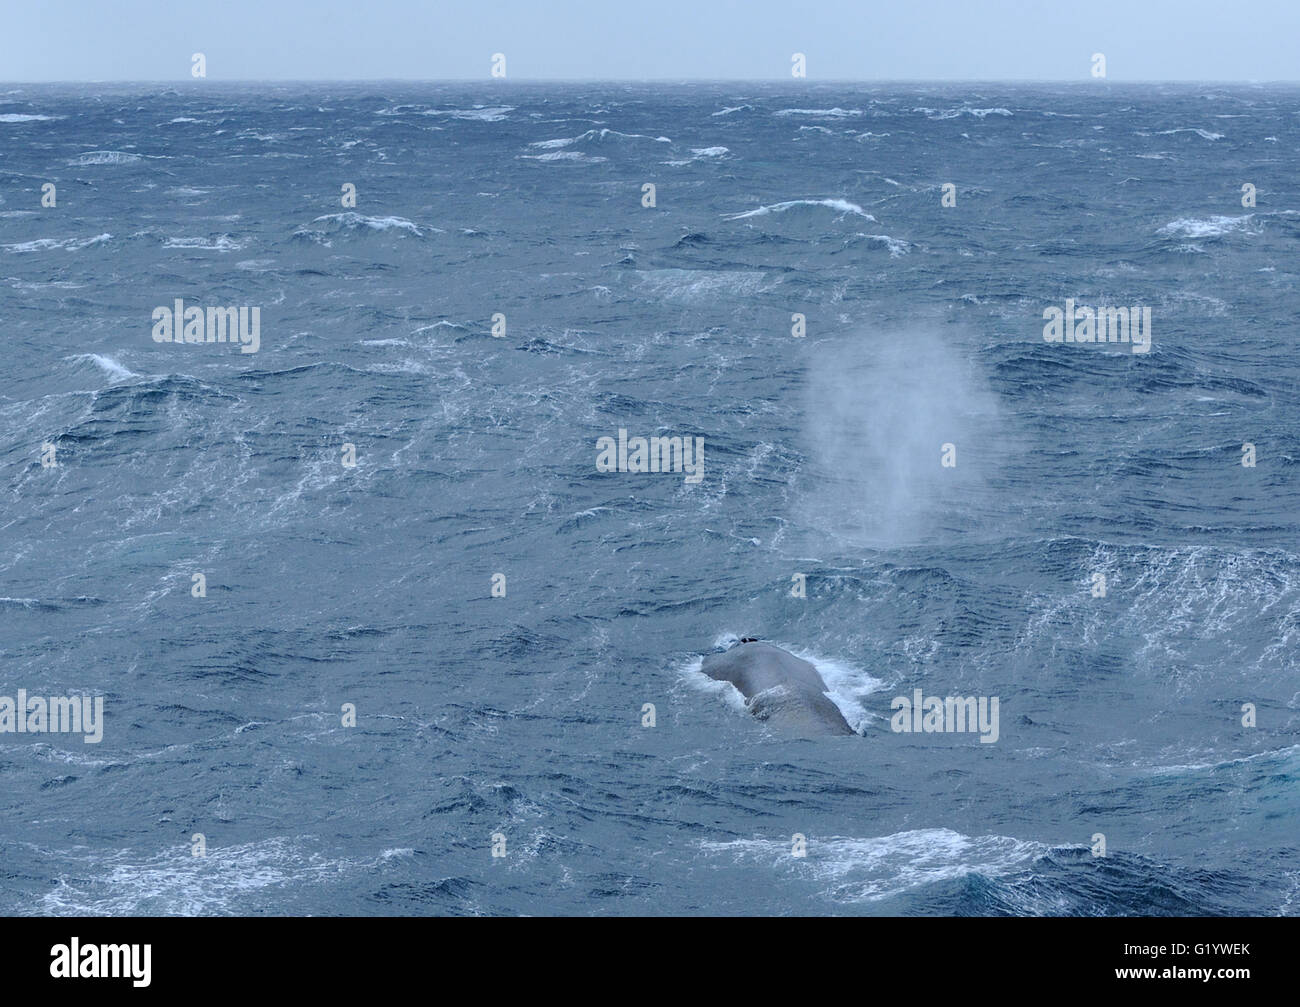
[498, 81]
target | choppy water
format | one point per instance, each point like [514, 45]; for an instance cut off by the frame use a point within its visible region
[521, 715]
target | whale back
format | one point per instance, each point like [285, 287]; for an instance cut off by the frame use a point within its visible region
[801, 713]
[779, 688]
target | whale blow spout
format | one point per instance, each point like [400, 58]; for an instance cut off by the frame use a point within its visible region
[779, 688]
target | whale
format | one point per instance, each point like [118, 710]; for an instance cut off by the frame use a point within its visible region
[780, 689]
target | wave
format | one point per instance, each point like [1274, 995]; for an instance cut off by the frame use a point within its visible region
[870, 869]
[596, 136]
[1070, 881]
[826, 113]
[1184, 611]
[55, 604]
[575, 156]
[444, 324]
[897, 246]
[476, 113]
[479, 113]
[173, 882]
[841, 206]
[1206, 227]
[733, 109]
[256, 265]
[221, 243]
[700, 154]
[355, 223]
[20, 117]
[953, 113]
[105, 157]
[1204, 134]
[703, 284]
[49, 244]
[1282, 756]
[116, 371]
[18, 284]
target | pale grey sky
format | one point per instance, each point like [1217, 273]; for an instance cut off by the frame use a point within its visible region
[655, 39]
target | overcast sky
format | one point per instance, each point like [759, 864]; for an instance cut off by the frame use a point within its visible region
[43, 40]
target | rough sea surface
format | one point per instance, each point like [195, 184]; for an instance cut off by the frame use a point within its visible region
[476, 715]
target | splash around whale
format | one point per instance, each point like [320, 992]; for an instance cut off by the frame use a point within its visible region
[780, 689]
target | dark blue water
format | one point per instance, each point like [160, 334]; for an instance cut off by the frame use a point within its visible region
[522, 715]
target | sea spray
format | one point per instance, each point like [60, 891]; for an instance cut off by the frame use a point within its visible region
[902, 430]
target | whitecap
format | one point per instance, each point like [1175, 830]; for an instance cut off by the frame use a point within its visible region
[1205, 227]
[576, 156]
[444, 324]
[48, 244]
[700, 285]
[171, 881]
[827, 113]
[104, 157]
[1204, 134]
[596, 135]
[896, 246]
[953, 113]
[355, 221]
[18, 284]
[842, 206]
[116, 371]
[873, 868]
[478, 113]
[221, 243]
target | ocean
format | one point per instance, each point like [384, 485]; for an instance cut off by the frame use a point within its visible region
[375, 634]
